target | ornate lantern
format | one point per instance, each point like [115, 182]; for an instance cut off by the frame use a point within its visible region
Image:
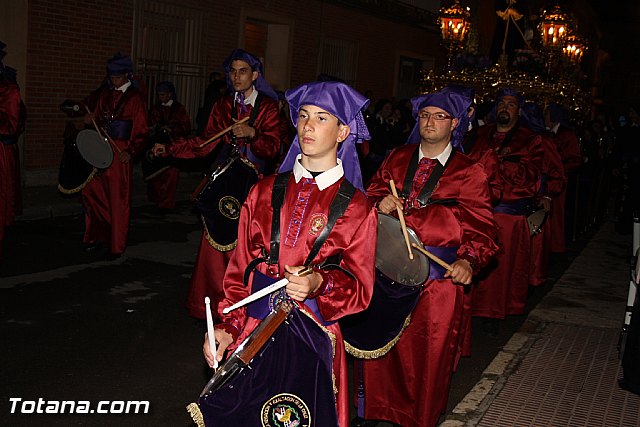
[454, 25]
[554, 28]
[574, 49]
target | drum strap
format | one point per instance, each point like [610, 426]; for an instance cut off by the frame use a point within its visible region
[254, 112]
[338, 207]
[430, 185]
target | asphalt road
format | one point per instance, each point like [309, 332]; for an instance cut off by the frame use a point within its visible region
[75, 327]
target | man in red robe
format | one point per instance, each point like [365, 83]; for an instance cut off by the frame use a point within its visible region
[259, 141]
[552, 184]
[121, 113]
[566, 142]
[326, 114]
[12, 117]
[504, 291]
[169, 120]
[452, 217]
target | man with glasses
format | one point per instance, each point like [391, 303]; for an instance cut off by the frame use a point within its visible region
[504, 291]
[445, 199]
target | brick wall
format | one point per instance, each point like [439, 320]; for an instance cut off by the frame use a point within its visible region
[69, 42]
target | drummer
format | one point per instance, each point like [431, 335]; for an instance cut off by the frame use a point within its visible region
[121, 112]
[456, 223]
[169, 120]
[261, 142]
[327, 116]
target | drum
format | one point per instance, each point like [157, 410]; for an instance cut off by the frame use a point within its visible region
[373, 332]
[94, 149]
[221, 198]
[536, 220]
[74, 172]
[282, 371]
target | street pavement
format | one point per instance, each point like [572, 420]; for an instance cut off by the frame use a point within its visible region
[77, 327]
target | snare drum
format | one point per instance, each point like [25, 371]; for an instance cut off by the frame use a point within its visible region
[221, 198]
[94, 148]
[536, 220]
[373, 332]
[281, 372]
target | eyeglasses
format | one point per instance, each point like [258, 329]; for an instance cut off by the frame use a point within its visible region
[436, 116]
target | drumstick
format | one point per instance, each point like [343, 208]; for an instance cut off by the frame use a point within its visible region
[437, 260]
[401, 218]
[212, 336]
[266, 291]
[105, 136]
[222, 132]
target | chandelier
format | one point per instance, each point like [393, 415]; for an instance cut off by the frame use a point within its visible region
[543, 75]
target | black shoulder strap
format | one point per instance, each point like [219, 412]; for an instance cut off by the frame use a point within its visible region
[121, 101]
[336, 210]
[411, 173]
[254, 112]
[431, 183]
[277, 199]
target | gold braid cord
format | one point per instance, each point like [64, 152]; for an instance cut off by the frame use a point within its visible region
[213, 243]
[332, 337]
[196, 415]
[78, 188]
[374, 354]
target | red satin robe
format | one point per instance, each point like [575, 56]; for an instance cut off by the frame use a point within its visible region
[569, 149]
[555, 182]
[410, 384]
[504, 291]
[107, 197]
[208, 272]
[339, 295]
[9, 154]
[161, 190]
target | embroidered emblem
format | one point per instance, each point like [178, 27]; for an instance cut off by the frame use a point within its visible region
[276, 298]
[505, 151]
[285, 410]
[229, 207]
[317, 223]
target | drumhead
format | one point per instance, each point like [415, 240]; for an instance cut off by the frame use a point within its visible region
[536, 220]
[392, 258]
[95, 150]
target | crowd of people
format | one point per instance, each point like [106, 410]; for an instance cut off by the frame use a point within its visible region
[493, 197]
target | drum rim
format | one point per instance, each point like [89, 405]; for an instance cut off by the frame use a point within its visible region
[413, 235]
[91, 137]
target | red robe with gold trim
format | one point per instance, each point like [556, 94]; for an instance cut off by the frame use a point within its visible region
[504, 291]
[410, 384]
[340, 295]
[161, 190]
[9, 154]
[107, 197]
[208, 272]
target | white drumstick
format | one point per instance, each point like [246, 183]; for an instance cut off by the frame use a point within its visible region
[265, 291]
[212, 337]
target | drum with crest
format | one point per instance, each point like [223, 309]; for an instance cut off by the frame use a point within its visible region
[281, 372]
[94, 148]
[220, 197]
[399, 279]
[75, 172]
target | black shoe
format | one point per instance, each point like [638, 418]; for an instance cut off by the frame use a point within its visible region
[361, 422]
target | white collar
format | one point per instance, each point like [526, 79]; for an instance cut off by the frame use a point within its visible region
[442, 157]
[324, 180]
[249, 100]
[169, 103]
[555, 128]
[124, 87]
